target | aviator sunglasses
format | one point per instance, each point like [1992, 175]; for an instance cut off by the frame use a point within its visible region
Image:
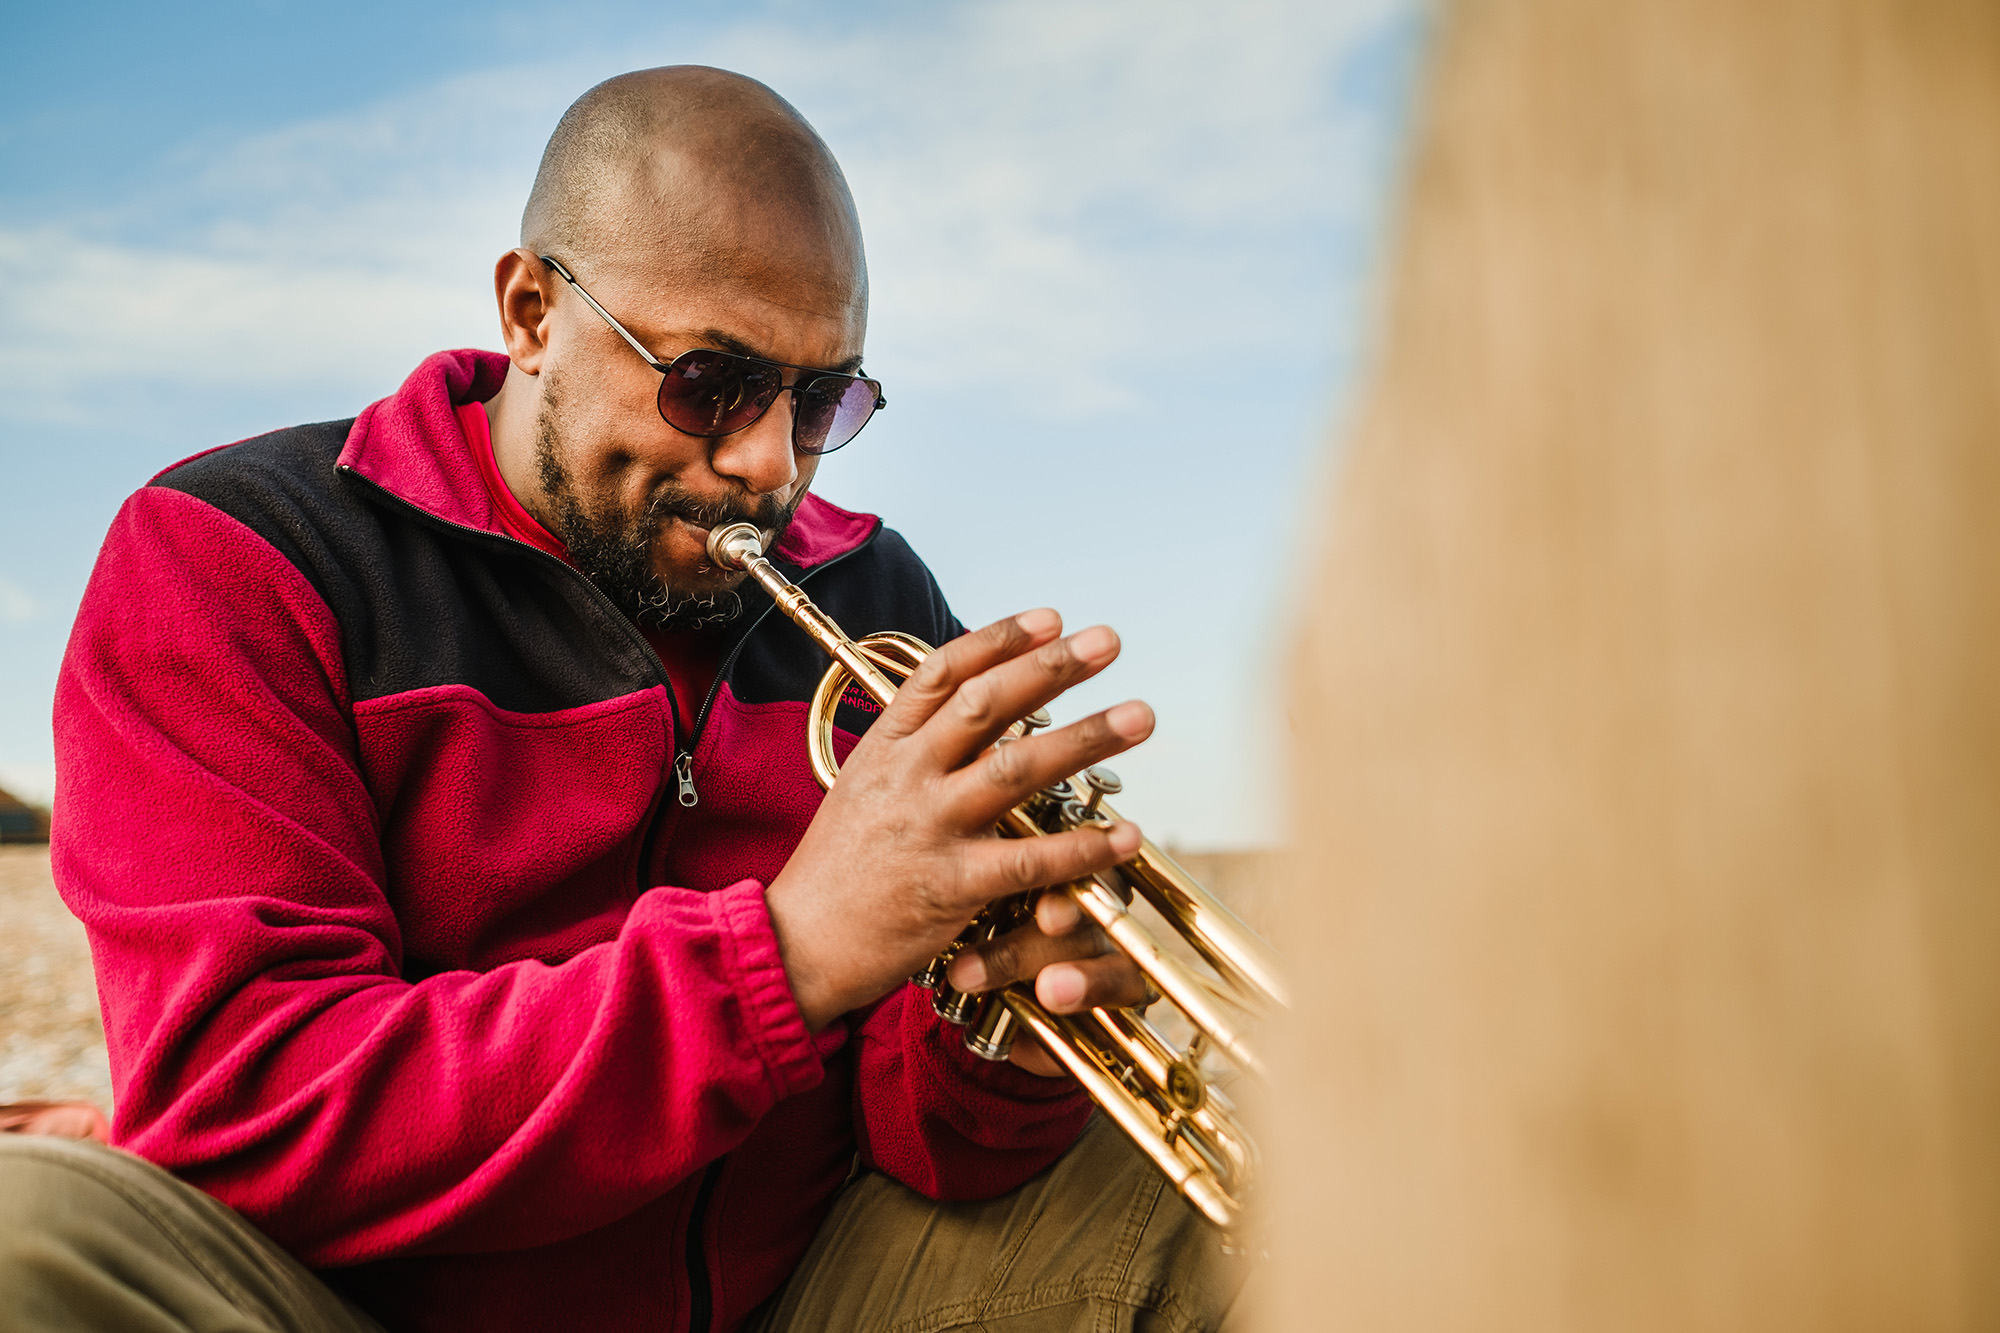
[711, 393]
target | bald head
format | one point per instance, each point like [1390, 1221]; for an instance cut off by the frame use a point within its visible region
[695, 174]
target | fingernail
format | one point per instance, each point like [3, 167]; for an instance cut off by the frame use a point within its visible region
[1038, 622]
[1124, 837]
[1130, 720]
[1061, 988]
[967, 972]
[1094, 645]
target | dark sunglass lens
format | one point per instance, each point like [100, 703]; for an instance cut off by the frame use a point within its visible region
[714, 393]
[831, 411]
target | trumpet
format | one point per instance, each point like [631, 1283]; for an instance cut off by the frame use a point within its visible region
[1164, 1097]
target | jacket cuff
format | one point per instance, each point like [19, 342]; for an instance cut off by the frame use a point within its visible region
[770, 1012]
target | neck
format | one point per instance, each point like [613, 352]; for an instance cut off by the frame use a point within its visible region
[511, 417]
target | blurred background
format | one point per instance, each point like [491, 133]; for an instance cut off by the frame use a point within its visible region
[1647, 692]
[1120, 255]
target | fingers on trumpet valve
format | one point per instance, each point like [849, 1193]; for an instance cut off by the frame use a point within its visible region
[1156, 1095]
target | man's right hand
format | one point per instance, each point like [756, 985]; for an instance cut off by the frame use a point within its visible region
[902, 852]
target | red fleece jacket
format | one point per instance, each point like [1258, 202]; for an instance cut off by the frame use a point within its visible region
[408, 946]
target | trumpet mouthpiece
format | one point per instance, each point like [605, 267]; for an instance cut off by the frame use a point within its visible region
[735, 545]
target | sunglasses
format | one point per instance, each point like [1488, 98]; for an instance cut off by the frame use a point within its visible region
[710, 393]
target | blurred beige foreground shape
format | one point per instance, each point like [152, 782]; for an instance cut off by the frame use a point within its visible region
[1648, 718]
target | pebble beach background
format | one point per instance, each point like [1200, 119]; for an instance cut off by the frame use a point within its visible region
[51, 1039]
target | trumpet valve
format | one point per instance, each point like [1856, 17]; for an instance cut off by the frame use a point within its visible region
[1100, 782]
[991, 1036]
[953, 1005]
[1187, 1086]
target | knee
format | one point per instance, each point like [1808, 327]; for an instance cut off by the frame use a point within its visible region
[39, 1177]
[82, 1238]
[57, 1202]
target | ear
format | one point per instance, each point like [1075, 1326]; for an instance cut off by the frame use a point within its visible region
[524, 287]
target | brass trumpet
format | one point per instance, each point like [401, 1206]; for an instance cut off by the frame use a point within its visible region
[1157, 1093]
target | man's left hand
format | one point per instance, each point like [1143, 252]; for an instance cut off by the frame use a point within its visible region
[1072, 964]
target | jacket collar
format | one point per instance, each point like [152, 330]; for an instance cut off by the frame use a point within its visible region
[410, 445]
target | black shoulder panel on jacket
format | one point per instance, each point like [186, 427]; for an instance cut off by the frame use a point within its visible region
[421, 602]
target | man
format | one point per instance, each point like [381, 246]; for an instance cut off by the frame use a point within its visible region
[466, 917]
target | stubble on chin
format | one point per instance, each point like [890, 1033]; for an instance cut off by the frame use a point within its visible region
[615, 550]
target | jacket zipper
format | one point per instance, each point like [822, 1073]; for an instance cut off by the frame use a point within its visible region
[701, 1294]
[631, 631]
[683, 759]
[684, 771]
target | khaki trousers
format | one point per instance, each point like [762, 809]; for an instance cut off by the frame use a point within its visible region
[93, 1238]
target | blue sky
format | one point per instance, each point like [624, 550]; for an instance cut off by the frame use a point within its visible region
[1122, 258]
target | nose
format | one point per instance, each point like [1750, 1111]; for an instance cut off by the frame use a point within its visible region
[760, 457]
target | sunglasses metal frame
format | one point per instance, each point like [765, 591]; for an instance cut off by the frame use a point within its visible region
[807, 374]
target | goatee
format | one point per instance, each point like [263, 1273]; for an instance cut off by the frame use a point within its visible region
[615, 551]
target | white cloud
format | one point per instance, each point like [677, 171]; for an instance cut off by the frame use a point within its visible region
[1031, 174]
[1095, 177]
[336, 250]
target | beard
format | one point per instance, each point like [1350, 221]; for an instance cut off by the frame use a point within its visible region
[614, 550]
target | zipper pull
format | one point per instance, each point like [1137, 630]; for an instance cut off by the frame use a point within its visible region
[684, 774]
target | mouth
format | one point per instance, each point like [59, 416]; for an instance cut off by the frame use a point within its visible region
[680, 543]
[677, 524]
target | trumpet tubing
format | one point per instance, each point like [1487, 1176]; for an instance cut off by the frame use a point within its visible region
[1159, 1095]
